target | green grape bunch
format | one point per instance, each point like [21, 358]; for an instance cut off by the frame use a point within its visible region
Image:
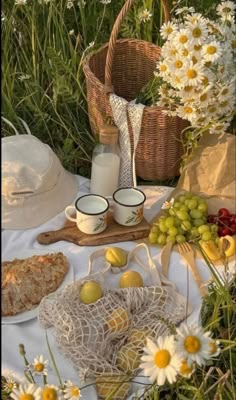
[184, 220]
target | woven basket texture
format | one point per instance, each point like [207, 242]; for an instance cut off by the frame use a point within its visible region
[159, 150]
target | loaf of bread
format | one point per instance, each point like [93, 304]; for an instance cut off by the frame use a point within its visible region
[26, 281]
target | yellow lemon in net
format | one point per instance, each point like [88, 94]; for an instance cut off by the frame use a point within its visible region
[118, 320]
[130, 279]
[138, 337]
[90, 292]
[107, 387]
[128, 358]
[116, 256]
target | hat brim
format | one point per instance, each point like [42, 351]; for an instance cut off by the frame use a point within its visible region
[38, 209]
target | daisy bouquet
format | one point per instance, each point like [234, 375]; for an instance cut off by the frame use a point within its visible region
[195, 77]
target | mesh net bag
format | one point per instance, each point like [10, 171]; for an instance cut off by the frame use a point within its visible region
[106, 338]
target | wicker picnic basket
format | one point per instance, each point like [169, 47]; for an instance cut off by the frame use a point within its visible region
[124, 67]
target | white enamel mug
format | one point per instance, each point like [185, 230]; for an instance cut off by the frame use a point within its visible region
[128, 206]
[91, 213]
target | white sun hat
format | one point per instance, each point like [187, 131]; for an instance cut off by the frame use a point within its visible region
[35, 186]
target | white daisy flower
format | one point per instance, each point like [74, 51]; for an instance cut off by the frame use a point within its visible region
[9, 384]
[193, 74]
[168, 51]
[187, 111]
[214, 348]
[181, 39]
[20, 2]
[187, 92]
[197, 32]
[168, 28]
[145, 15]
[186, 369]
[27, 391]
[163, 68]
[161, 362]
[226, 106]
[194, 18]
[204, 97]
[226, 91]
[226, 7]
[184, 10]
[211, 51]
[39, 366]
[69, 4]
[71, 32]
[71, 392]
[51, 392]
[193, 344]
[168, 204]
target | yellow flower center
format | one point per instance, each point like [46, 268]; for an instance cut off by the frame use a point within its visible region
[192, 344]
[203, 97]
[208, 64]
[48, 394]
[162, 358]
[225, 91]
[185, 369]
[211, 49]
[183, 39]
[177, 79]
[197, 32]
[169, 30]
[173, 52]
[185, 52]
[194, 60]
[188, 110]
[10, 385]
[191, 73]
[39, 367]
[163, 67]
[213, 347]
[197, 47]
[75, 391]
[26, 396]
[188, 88]
[233, 44]
[226, 10]
[224, 103]
[205, 81]
[178, 64]
[212, 109]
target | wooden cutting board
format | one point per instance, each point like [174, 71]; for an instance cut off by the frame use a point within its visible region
[114, 233]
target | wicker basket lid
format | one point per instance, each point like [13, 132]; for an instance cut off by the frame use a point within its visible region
[108, 134]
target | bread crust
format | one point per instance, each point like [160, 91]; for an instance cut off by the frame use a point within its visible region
[26, 281]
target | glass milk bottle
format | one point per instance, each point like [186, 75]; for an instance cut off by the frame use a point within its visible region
[106, 162]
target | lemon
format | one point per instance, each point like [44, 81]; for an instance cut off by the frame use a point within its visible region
[107, 387]
[227, 245]
[118, 320]
[116, 256]
[128, 358]
[130, 279]
[90, 292]
[211, 249]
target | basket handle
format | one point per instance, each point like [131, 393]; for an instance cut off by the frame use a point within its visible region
[113, 38]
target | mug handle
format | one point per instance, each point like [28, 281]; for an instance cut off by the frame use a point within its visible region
[68, 214]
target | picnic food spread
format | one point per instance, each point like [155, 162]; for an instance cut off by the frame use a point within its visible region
[26, 281]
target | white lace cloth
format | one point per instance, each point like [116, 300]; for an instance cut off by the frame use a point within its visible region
[120, 109]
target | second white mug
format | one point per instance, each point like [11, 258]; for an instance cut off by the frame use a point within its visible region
[128, 206]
